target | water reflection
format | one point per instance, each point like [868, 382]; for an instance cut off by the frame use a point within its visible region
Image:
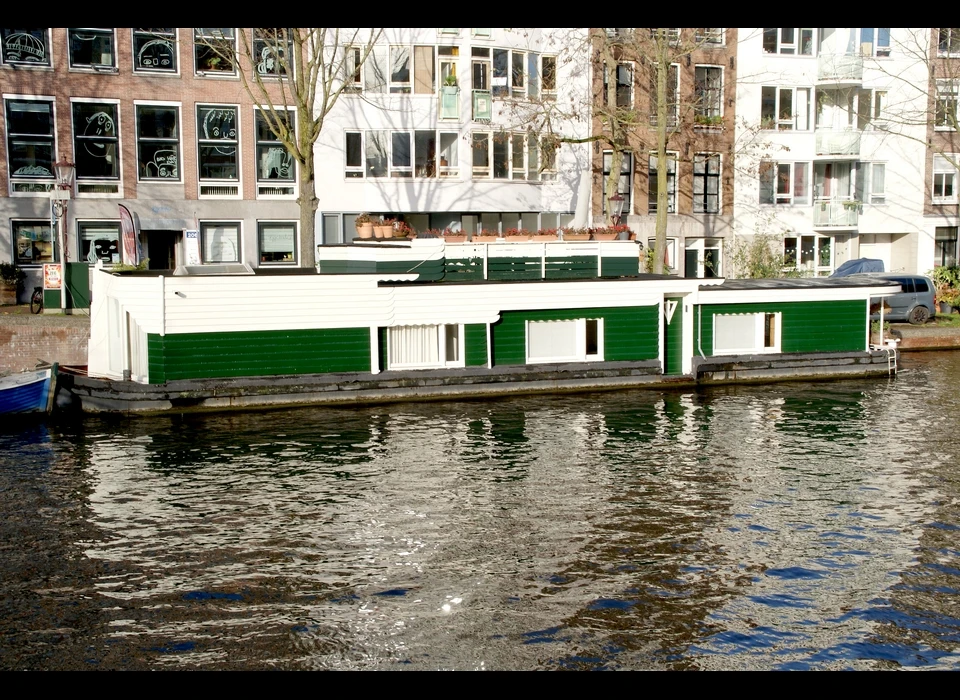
[789, 526]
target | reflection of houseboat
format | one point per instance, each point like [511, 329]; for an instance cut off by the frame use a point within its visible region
[426, 319]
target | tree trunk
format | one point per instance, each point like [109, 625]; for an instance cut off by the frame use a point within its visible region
[308, 203]
[663, 70]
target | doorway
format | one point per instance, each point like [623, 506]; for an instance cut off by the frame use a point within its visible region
[161, 249]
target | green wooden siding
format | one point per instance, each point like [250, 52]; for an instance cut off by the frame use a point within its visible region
[629, 333]
[463, 269]
[572, 267]
[620, 267]
[257, 353]
[429, 270]
[673, 347]
[475, 340]
[514, 268]
[807, 326]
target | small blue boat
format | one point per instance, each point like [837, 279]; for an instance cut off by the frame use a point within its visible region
[30, 392]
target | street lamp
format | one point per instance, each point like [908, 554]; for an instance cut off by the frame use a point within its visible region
[59, 196]
[616, 208]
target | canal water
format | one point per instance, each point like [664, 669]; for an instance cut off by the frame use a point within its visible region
[791, 526]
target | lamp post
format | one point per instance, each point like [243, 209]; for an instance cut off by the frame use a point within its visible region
[616, 208]
[59, 197]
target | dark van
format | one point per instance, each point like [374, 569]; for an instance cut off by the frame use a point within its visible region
[914, 303]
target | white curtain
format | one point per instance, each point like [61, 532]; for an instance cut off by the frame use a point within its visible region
[414, 345]
[552, 339]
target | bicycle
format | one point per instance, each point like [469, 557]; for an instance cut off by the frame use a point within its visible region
[36, 300]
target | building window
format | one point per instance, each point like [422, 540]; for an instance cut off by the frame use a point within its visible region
[673, 96]
[272, 48]
[624, 84]
[575, 340]
[878, 172]
[548, 75]
[788, 41]
[708, 91]
[785, 108]
[945, 247]
[214, 50]
[400, 69]
[784, 183]
[671, 34]
[482, 33]
[624, 183]
[505, 156]
[810, 253]
[946, 106]
[875, 42]
[155, 50]
[29, 47]
[30, 143]
[671, 184]
[276, 168]
[944, 180]
[709, 37]
[706, 183]
[277, 242]
[217, 160]
[33, 243]
[220, 242]
[948, 42]
[96, 141]
[352, 69]
[425, 347]
[99, 240]
[746, 333]
[91, 48]
[158, 142]
[509, 73]
[402, 154]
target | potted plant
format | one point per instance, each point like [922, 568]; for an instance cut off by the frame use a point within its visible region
[515, 235]
[11, 283]
[606, 233]
[544, 235]
[383, 229]
[576, 234]
[364, 224]
[486, 236]
[450, 236]
[946, 284]
[404, 230]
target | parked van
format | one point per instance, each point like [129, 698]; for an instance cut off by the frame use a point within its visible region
[914, 303]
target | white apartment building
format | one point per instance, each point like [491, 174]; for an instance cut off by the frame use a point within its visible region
[441, 128]
[831, 152]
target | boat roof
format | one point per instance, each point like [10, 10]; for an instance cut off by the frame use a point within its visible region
[800, 283]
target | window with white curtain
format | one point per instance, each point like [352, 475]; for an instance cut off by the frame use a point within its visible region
[575, 340]
[425, 347]
[740, 333]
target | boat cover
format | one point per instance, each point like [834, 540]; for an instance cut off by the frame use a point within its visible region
[853, 267]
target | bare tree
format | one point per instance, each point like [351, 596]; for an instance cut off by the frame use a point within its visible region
[298, 69]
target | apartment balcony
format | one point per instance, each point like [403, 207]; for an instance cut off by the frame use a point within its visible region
[842, 68]
[836, 213]
[838, 142]
[482, 105]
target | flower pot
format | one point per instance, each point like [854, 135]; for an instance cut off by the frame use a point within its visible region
[382, 231]
[365, 230]
[455, 238]
[605, 236]
[544, 238]
[516, 239]
[477, 238]
[946, 308]
[576, 236]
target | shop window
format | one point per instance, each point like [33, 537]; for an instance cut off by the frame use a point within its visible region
[99, 240]
[220, 242]
[33, 243]
[277, 242]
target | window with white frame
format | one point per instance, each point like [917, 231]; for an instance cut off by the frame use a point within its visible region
[482, 33]
[948, 43]
[875, 42]
[671, 34]
[653, 184]
[784, 183]
[708, 93]
[425, 347]
[215, 50]
[877, 182]
[673, 96]
[945, 246]
[624, 183]
[624, 88]
[91, 48]
[944, 180]
[789, 41]
[548, 75]
[809, 253]
[28, 47]
[96, 146]
[30, 144]
[423, 153]
[276, 168]
[218, 162]
[352, 69]
[277, 242]
[575, 340]
[709, 37]
[706, 183]
[746, 333]
[946, 105]
[33, 243]
[505, 156]
[785, 108]
[99, 240]
[272, 50]
[158, 142]
[400, 69]
[155, 50]
[219, 242]
[515, 73]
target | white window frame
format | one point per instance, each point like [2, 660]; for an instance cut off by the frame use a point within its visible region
[790, 197]
[792, 49]
[47, 50]
[699, 108]
[549, 93]
[26, 262]
[794, 122]
[103, 223]
[359, 172]
[673, 116]
[400, 87]
[210, 72]
[270, 43]
[872, 49]
[629, 71]
[265, 184]
[627, 160]
[441, 348]
[812, 267]
[179, 150]
[580, 342]
[528, 171]
[213, 224]
[953, 42]
[759, 346]
[711, 38]
[103, 182]
[877, 195]
[947, 94]
[95, 67]
[509, 90]
[174, 36]
[296, 242]
[944, 172]
[706, 176]
[482, 33]
[38, 185]
[674, 157]
[223, 184]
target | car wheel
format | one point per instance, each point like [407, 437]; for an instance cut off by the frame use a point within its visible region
[919, 315]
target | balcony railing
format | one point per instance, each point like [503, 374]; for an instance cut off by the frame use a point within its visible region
[449, 102]
[836, 142]
[482, 105]
[843, 68]
[835, 213]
